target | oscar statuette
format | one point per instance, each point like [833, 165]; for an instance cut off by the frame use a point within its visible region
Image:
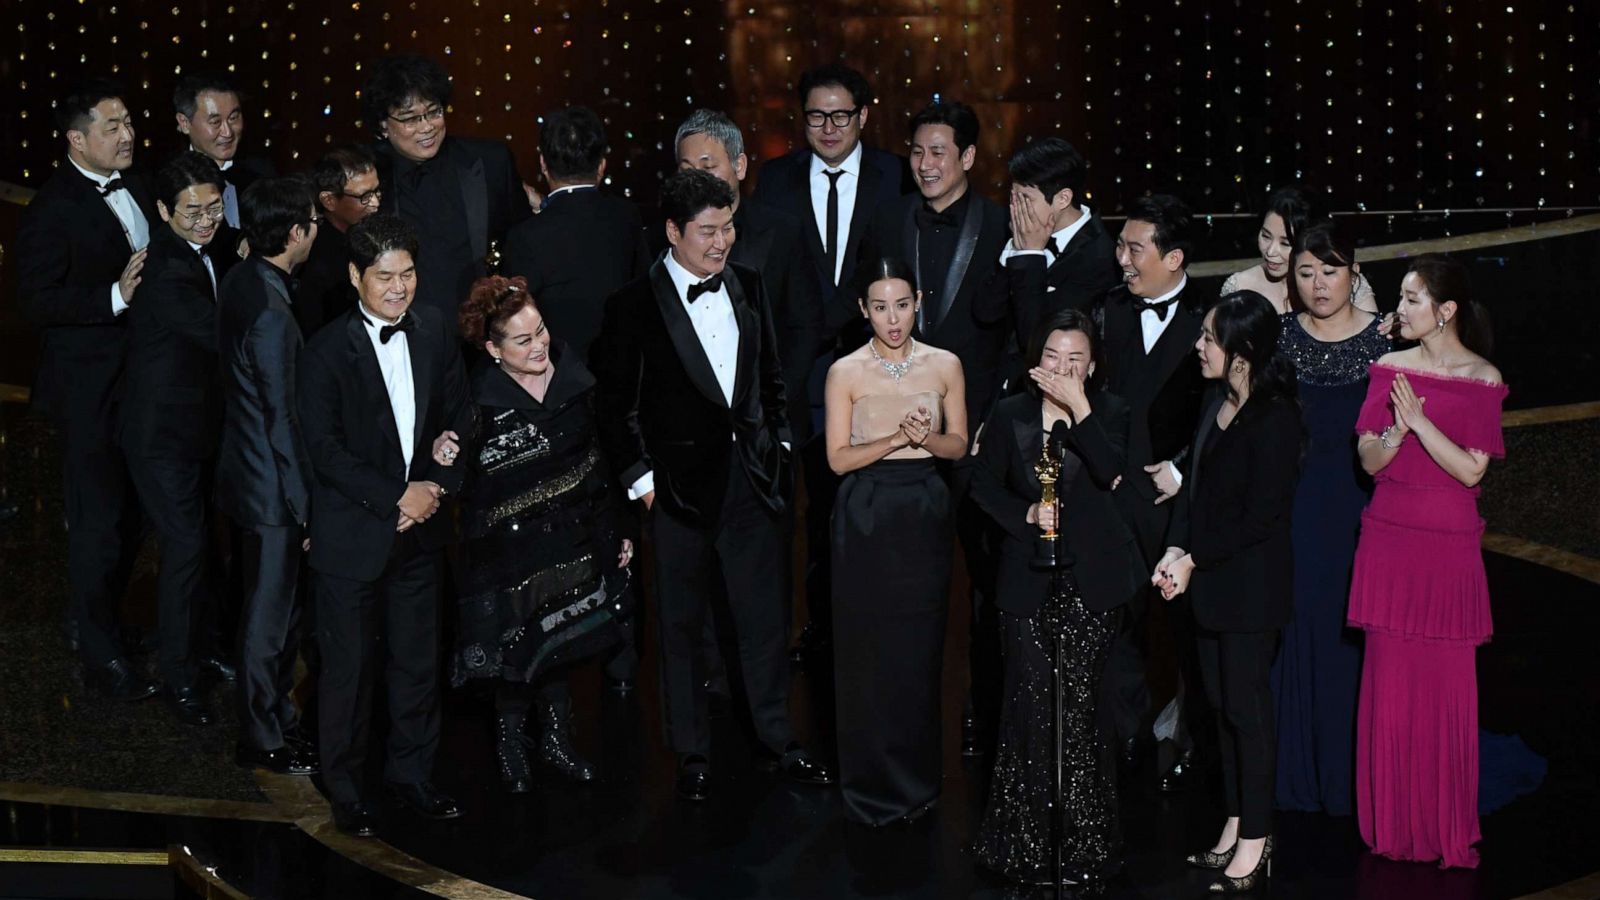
[1046, 553]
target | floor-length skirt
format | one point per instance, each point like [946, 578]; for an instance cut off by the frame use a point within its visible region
[1417, 750]
[892, 544]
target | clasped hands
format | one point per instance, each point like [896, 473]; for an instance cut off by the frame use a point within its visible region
[1172, 573]
[1408, 413]
[914, 428]
[418, 503]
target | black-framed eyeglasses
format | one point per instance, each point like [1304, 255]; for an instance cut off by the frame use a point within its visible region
[214, 213]
[839, 117]
[414, 121]
[373, 197]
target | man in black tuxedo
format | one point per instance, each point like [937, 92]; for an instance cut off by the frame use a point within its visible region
[459, 194]
[263, 474]
[80, 255]
[1060, 254]
[832, 186]
[953, 237]
[1149, 325]
[210, 114]
[691, 415]
[170, 413]
[376, 391]
[346, 183]
[585, 243]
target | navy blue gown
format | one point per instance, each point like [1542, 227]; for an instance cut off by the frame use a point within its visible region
[1318, 670]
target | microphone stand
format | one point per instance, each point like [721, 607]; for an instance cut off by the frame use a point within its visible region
[1052, 617]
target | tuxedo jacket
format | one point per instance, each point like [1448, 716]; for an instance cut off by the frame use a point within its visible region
[577, 252]
[170, 406]
[354, 443]
[245, 171]
[660, 408]
[975, 267]
[769, 240]
[785, 183]
[1083, 273]
[1233, 516]
[70, 250]
[492, 201]
[263, 472]
[1095, 541]
[1163, 388]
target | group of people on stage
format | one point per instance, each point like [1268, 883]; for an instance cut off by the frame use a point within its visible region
[333, 363]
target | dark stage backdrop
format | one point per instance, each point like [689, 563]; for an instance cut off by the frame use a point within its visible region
[1390, 105]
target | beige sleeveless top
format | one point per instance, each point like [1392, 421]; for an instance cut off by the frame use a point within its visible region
[876, 416]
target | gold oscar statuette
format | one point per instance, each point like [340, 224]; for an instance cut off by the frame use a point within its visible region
[1047, 469]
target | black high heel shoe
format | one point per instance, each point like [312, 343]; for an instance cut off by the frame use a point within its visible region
[1210, 859]
[1255, 878]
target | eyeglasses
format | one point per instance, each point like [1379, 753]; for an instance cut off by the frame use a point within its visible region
[317, 219]
[839, 117]
[212, 213]
[366, 198]
[414, 121]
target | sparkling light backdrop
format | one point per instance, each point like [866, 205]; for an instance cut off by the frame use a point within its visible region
[1389, 105]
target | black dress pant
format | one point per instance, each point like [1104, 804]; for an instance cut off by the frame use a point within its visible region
[821, 486]
[102, 513]
[173, 494]
[269, 633]
[1237, 669]
[744, 552]
[392, 621]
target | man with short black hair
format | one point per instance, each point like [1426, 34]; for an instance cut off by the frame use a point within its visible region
[80, 255]
[209, 112]
[346, 183]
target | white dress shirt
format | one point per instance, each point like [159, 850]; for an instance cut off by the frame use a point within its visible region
[1060, 239]
[1153, 325]
[199, 250]
[394, 361]
[134, 226]
[230, 196]
[847, 202]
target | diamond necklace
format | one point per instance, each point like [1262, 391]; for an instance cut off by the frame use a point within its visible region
[896, 370]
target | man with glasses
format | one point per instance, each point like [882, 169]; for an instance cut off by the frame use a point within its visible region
[209, 113]
[832, 187]
[346, 182]
[458, 194]
[171, 413]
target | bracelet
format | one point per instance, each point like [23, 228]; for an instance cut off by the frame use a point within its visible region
[1383, 438]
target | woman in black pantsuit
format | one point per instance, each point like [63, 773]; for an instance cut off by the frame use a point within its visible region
[1102, 569]
[1229, 546]
[893, 407]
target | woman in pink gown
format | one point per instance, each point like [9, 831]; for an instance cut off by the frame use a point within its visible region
[1428, 427]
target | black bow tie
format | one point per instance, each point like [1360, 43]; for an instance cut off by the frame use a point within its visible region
[709, 286]
[406, 324]
[1160, 307]
[112, 186]
[1056, 246]
[927, 218]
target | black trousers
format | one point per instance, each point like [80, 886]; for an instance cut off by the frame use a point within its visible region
[980, 541]
[821, 486]
[103, 528]
[173, 494]
[392, 621]
[1236, 668]
[270, 559]
[744, 552]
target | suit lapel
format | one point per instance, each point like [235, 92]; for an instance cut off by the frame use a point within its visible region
[1208, 421]
[800, 190]
[1175, 343]
[749, 335]
[966, 244]
[98, 214]
[691, 355]
[365, 360]
[475, 201]
[866, 201]
[421, 351]
[1030, 442]
[1088, 233]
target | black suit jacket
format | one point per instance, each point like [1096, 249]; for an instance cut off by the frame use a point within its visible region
[324, 293]
[1083, 273]
[355, 448]
[784, 183]
[492, 199]
[769, 240]
[263, 472]
[170, 406]
[976, 268]
[245, 171]
[1233, 516]
[577, 252]
[1104, 556]
[1162, 388]
[660, 408]
[70, 250]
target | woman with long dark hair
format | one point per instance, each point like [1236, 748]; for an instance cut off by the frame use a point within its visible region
[1290, 211]
[894, 407]
[1428, 428]
[1101, 569]
[1229, 547]
[543, 563]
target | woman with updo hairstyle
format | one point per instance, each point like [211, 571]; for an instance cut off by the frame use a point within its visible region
[1229, 547]
[1427, 430]
[543, 564]
[1290, 211]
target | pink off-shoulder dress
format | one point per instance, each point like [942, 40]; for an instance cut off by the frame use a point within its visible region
[1419, 592]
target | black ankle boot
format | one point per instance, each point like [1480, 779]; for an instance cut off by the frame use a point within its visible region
[555, 742]
[511, 749]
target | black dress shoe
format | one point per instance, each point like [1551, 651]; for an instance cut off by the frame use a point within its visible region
[355, 819]
[219, 667]
[286, 760]
[694, 779]
[1130, 753]
[1182, 775]
[188, 704]
[118, 681]
[424, 799]
[797, 766]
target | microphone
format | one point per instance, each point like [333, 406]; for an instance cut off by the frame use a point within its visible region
[1058, 440]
